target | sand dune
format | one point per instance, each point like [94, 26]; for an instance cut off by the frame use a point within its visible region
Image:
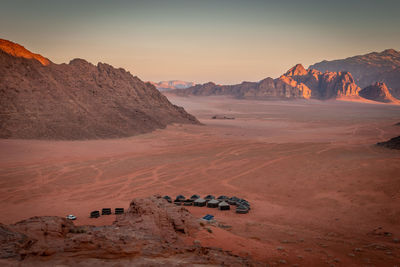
[318, 186]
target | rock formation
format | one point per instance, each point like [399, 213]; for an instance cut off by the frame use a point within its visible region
[152, 231]
[43, 100]
[295, 83]
[17, 50]
[393, 143]
[171, 85]
[320, 85]
[369, 69]
[378, 92]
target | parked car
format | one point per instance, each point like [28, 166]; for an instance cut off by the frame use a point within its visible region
[71, 217]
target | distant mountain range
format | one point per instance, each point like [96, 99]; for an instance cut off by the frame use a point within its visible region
[369, 69]
[313, 83]
[79, 100]
[43, 100]
[294, 84]
[172, 85]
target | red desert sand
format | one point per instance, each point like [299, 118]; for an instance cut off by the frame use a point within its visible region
[321, 192]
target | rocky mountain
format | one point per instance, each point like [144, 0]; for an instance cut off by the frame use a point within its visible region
[369, 68]
[79, 100]
[393, 143]
[152, 232]
[172, 85]
[17, 50]
[378, 92]
[295, 83]
[320, 85]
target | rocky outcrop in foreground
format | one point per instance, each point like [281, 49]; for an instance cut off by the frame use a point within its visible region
[393, 143]
[296, 83]
[43, 100]
[369, 68]
[151, 233]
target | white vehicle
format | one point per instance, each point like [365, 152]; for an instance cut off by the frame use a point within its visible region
[71, 217]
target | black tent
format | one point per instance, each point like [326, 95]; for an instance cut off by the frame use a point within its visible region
[213, 203]
[200, 202]
[188, 202]
[119, 211]
[194, 197]
[106, 211]
[180, 198]
[224, 206]
[243, 202]
[222, 198]
[95, 214]
[209, 197]
[233, 200]
[242, 209]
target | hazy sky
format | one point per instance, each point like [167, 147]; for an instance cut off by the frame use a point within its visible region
[222, 41]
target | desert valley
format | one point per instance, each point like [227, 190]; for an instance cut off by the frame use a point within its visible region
[299, 167]
[321, 191]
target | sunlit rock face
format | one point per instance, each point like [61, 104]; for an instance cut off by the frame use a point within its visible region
[296, 83]
[75, 101]
[369, 68]
[320, 85]
[17, 50]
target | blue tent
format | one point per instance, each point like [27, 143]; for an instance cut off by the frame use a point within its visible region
[208, 217]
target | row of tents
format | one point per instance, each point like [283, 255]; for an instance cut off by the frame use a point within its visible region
[106, 211]
[222, 202]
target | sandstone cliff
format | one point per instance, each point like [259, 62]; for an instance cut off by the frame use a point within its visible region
[296, 83]
[369, 68]
[43, 100]
[320, 85]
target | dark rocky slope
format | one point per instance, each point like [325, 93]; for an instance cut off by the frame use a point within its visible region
[378, 92]
[393, 143]
[77, 100]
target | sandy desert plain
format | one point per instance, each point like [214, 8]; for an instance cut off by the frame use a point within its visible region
[321, 192]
